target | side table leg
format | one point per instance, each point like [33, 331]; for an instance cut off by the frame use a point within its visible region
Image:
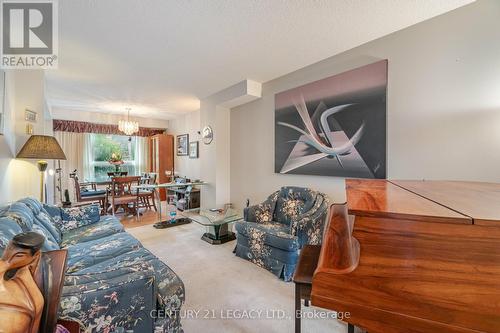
[157, 195]
[298, 306]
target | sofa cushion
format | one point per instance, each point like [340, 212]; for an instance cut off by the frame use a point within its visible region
[50, 243]
[83, 255]
[76, 217]
[108, 225]
[124, 301]
[49, 223]
[54, 211]
[87, 213]
[42, 217]
[24, 217]
[272, 233]
[170, 286]
[8, 229]
[293, 201]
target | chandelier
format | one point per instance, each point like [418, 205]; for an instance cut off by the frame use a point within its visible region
[128, 127]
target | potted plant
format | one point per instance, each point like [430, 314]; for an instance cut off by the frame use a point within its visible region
[116, 160]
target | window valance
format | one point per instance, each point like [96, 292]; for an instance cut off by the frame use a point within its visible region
[86, 127]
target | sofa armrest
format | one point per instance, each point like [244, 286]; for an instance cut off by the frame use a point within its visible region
[308, 227]
[126, 300]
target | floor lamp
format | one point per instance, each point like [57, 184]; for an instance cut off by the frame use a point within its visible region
[41, 148]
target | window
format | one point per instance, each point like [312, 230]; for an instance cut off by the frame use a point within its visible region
[103, 146]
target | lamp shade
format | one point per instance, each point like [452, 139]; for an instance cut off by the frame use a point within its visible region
[42, 147]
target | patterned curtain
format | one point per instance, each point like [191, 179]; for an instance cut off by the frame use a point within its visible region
[85, 127]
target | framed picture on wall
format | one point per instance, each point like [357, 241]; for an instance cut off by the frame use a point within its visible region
[334, 126]
[2, 100]
[193, 149]
[182, 144]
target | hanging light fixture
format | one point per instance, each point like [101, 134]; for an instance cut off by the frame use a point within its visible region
[128, 127]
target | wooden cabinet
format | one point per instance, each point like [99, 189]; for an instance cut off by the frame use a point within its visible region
[161, 158]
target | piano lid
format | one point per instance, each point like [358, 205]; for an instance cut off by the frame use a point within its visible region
[383, 198]
[479, 201]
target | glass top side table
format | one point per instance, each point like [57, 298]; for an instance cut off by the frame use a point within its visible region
[218, 220]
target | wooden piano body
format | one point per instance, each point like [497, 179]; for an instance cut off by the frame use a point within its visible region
[413, 256]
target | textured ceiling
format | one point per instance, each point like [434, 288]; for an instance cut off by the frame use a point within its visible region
[159, 57]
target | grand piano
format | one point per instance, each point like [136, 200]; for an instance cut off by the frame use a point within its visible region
[413, 256]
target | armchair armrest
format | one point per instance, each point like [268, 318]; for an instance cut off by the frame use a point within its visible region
[308, 227]
[262, 212]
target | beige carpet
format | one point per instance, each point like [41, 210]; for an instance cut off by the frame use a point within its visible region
[221, 289]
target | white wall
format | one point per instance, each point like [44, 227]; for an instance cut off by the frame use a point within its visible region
[186, 124]
[443, 106]
[20, 178]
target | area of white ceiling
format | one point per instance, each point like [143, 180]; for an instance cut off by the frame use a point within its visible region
[160, 57]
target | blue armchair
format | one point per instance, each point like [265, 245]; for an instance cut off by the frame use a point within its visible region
[273, 232]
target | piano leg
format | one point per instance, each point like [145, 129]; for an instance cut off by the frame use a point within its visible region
[298, 306]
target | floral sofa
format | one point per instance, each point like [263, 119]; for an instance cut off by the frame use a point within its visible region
[112, 283]
[274, 231]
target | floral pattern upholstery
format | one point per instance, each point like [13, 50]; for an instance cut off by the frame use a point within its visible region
[112, 283]
[87, 254]
[273, 232]
[106, 227]
[71, 218]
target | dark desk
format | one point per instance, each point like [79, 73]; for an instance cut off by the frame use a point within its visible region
[308, 261]
[180, 193]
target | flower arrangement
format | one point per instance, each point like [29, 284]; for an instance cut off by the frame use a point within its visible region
[116, 160]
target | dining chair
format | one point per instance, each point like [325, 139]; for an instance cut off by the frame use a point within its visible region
[87, 191]
[123, 194]
[146, 195]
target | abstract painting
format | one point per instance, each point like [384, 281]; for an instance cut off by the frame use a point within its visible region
[335, 126]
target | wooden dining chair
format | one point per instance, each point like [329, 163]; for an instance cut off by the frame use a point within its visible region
[123, 194]
[88, 192]
[146, 195]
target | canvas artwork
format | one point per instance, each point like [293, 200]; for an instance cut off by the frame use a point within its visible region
[335, 126]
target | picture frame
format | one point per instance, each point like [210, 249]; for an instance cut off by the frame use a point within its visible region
[182, 144]
[30, 116]
[2, 100]
[354, 118]
[194, 149]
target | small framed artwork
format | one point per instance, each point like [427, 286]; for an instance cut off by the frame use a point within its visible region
[30, 116]
[182, 144]
[193, 149]
[2, 99]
